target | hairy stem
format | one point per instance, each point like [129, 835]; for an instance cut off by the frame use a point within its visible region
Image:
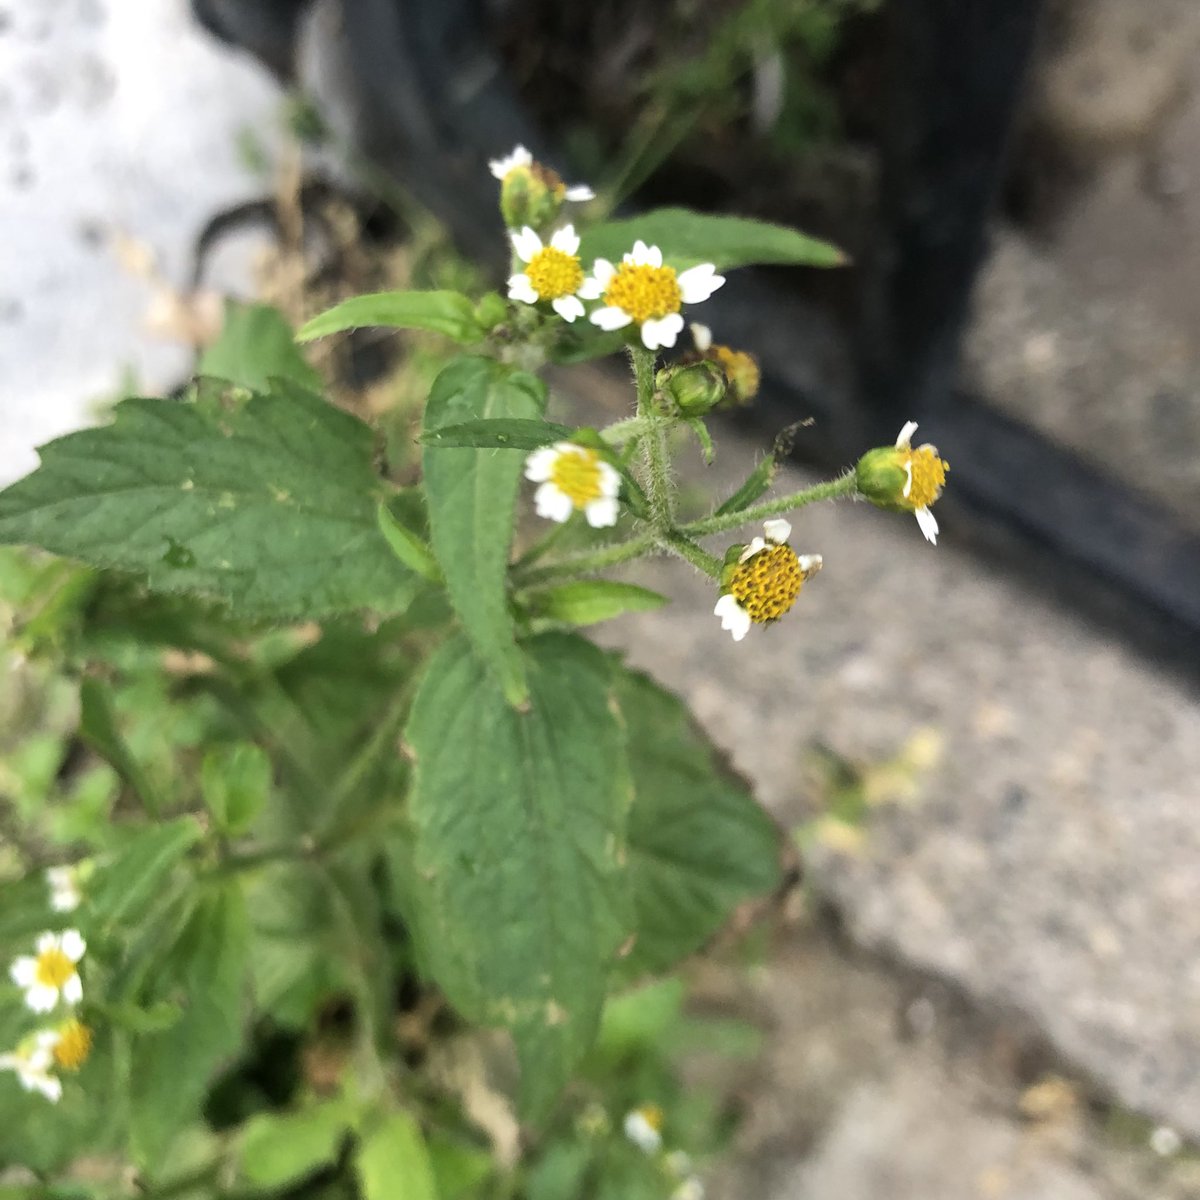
[685, 548]
[844, 485]
[587, 562]
[654, 445]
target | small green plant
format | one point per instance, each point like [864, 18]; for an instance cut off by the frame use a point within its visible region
[310, 779]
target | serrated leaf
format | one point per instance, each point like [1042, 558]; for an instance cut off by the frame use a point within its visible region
[125, 886]
[392, 1162]
[98, 727]
[498, 434]
[172, 1070]
[519, 834]
[235, 781]
[687, 238]
[699, 844]
[256, 344]
[471, 495]
[586, 601]
[268, 503]
[278, 1149]
[439, 312]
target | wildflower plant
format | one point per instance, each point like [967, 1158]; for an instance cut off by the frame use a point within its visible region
[332, 738]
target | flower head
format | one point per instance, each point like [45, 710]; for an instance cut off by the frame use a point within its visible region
[65, 895]
[643, 1127]
[903, 479]
[571, 477]
[552, 273]
[742, 375]
[530, 193]
[763, 580]
[641, 291]
[52, 973]
[31, 1062]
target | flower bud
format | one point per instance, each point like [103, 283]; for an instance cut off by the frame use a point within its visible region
[882, 478]
[695, 388]
[531, 195]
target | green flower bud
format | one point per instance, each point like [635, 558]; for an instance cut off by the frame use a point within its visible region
[882, 478]
[532, 196]
[695, 388]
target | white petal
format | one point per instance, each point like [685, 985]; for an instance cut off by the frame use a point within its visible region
[568, 307]
[777, 531]
[50, 1087]
[23, 971]
[520, 157]
[552, 503]
[637, 254]
[72, 990]
[641, 1133]
[590, 289]
[41, 998]
[905, 438]
[565, 239]
[610, 479]
[664, 331]
[602, 513]
[65, 899]
[928, 524]
[540, 463]
[810, 564]
[526, 243]
[698, 283]
[603, 271]
[46, 941]
[701, 336]
[579, 191]
[73, 945]
[907, 478]
[520, 288]
[733, 616]
[610, 318]
[756, 544]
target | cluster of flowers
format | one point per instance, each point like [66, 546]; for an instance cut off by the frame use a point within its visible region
[51, 977]
[643, 1127]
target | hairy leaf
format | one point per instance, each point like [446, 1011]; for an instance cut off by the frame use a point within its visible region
[267, 502]
[134, 878]
[586, 601]
[519, 821]
[255, 345]
[440, 312]
[501, 434]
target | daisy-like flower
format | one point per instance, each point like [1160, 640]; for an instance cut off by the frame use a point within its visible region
[643, 1127]
[764, 581]
[63, 882]
[641, 291]
[52, 973]
[741, 370]
[571, 477]
[31, 1062]
[503, 167]
[552, 273]
[70, 1044]
[903, 479]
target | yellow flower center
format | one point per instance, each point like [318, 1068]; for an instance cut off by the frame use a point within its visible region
[645, 293]
[652, 1114]
[741, 372]
[767, 585]
[73, 1046]
[928, 476]
[554, 273]
[54, 968]
[576, 473]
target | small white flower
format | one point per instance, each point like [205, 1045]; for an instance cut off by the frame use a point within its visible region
[690, 1189]
[643, 1127]
[931, 477]
[640, 290]
[520, 157]
[52, 973]
[765, 589]
[571, 477]
[31, 1063]
[552, 272]
[65, 895]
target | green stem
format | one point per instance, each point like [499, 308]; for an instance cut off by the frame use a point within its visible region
[687, 549]
[621, 431]
[654, 446]
[844, 485]
[588, 561]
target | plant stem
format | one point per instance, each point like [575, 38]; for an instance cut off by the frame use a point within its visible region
[588, 561]
[658, 473]
[844, 485]
[621, 431]
[687, 549]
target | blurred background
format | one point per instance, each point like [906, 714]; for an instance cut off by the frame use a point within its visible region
[989, 983]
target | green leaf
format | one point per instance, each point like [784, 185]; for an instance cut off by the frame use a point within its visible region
[699, 844]
[256, 344]
[171, 1070]
[267, 502]
[278, 1149]
[458, 1168]
[687, 238]
[408, 547]
[235, 781]
[471, 495]
[586, 601]
[98, 727]
[519, 845]
[756, 484]
[135, 1019]
[392, 1162]
[501, 434]
[440, 312]
[134, 879]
